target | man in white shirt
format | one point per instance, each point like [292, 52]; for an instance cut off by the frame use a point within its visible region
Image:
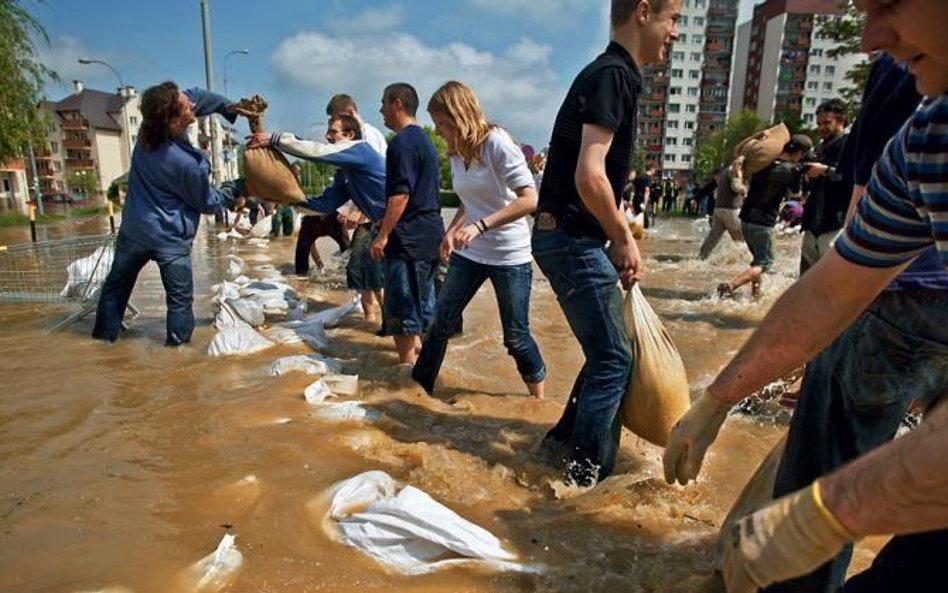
[342, 104]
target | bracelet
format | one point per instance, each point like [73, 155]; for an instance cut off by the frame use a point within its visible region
[481, 226]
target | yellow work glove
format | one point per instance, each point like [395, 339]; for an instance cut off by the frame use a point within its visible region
[788, 538]
[691, 436]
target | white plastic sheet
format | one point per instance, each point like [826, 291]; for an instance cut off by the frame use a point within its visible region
[405, 529]
[311, 364]
[262, 228]
[85, 276]
[345, 412]
[237, 340]
[216, 570]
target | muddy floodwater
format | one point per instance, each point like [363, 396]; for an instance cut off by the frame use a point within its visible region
[123, 464]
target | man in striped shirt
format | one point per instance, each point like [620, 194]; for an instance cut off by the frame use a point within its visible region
[900, 488]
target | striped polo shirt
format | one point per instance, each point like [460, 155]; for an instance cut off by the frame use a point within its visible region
[905, 208]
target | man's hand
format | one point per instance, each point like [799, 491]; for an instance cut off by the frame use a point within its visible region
[377, 248]
[626, 259]
[464, 236]
[691, 436]
[447, 246]
[788, 538]
[814, 170]
[258, 140]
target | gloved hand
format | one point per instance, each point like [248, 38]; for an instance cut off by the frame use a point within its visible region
[788, 538]
[691, 436]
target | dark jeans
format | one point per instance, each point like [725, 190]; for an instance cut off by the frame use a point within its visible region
[512, 288]
[409, 299]
[854, 395]
[312, 228]
[130, 258]
[584, 281]
[363, 272]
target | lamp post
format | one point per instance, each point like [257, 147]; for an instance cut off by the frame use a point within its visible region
[230, 144]
[122, 91]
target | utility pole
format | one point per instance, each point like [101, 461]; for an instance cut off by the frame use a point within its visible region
[209, 76]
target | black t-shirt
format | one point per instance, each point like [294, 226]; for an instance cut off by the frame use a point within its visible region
[639, 185]
[605, 94]
[826, 206]
[411, 167]
[767, 190]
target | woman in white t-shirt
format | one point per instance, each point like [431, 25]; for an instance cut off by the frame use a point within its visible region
[489, 238]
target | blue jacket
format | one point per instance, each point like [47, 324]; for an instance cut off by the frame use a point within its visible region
[360, 178]
[169, 188]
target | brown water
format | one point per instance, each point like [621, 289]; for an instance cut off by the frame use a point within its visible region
[120, 465]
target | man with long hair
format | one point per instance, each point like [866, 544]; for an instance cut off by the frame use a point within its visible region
[168, 190]
[579, 213]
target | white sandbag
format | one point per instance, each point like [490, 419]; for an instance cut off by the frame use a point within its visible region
[262, 228]
[225, 290]
[311, 364]
[85, 276]
[259, 287]
[242, 280]
[228, 317]
[235, 266]
[249, 311]
[347, 385]
[258, 242]
[658, 388]
[332, 317]
[758, 492]
[216, 570]
[344, 412]
[237, 340]
[316, 393]
[314, 337]
[405, 529]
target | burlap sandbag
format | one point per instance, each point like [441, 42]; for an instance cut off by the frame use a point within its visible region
[758, 492]
[658, 389]
[762, 148]
[267, 172]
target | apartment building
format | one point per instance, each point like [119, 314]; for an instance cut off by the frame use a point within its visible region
[14, 191]
[686, 97]
[783, 67]
[90, 134]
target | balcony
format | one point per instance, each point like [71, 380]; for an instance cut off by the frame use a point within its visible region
[80, 163]
[75, 124]
[42, 155]
[77, 144]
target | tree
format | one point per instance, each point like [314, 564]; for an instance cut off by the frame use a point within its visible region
[718, 150]
[23, 75]
[846, 32]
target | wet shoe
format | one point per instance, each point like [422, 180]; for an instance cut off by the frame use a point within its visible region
[725, 291]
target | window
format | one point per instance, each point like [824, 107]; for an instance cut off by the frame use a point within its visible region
[696, 56]
[699, 21]
[814, 68]
[699, 3]
[688, 141]
[816, 52]
[58, 166]
[697, 39]
[669, 158]
[54, 147]
[689, 125]
[812, 85]
[691, 108]
[808, 118]
[810, 101]
[683, 21]
[693, 91]
[675, 90]
[682, 37]
[677, 72]
[672, 124]
[674, 108]
[827, 86]
[830, 70]
[671, 141]
[133, 120]
[678, 55]
[686, 158]
[694, 74]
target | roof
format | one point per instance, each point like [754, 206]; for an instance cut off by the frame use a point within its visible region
[95, 107]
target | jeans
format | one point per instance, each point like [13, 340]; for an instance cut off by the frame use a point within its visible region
[722, 219]
[409, 299]
[130, 258]
[584, 281]
[854, 395]
[760, 242]
[363, 272]
[512, 288]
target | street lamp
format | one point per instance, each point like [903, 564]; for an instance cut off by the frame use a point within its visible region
[128, 140]
[230, 143]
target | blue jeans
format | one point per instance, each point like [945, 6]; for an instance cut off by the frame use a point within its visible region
[512, 288]
[130, 258]
[853, 397]
[409, 299]
[584, 281]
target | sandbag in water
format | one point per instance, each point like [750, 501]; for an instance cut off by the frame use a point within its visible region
[216, 570]
[237, 340]
[311, 364]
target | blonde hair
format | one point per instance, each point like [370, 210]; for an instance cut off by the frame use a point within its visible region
[457, 101]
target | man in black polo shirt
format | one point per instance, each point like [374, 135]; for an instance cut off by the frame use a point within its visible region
[409, 236]
[587, 166]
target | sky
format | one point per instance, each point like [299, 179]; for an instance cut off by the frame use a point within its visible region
[519, 56]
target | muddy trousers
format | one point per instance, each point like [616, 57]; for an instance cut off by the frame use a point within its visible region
[585, 284]
[853, 398]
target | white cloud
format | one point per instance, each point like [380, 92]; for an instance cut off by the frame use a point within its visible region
[62, 56]
[518, 88]
[370, 20]
[550, 10]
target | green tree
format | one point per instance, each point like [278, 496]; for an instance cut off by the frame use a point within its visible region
[846, 33]
[718, 150]
[23, 75]
[83, 182]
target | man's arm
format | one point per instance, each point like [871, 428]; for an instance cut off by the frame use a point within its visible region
[596, 193]
[206, 103]
[332, 197]
[393, 213]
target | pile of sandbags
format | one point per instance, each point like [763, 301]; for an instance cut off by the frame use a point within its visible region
[658, 388]
[268, 173]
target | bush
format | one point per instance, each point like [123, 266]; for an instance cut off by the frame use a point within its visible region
[449, 199]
